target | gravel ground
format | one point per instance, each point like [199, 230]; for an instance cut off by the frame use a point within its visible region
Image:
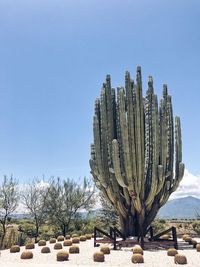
[121, 257]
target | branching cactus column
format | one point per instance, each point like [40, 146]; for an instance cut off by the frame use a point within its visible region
[132, 157]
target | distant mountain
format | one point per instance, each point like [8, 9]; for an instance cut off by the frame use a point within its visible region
[180, 208]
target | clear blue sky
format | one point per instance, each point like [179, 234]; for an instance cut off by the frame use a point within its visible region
[54, 56]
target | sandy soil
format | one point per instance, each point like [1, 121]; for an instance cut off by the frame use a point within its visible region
[85, 258]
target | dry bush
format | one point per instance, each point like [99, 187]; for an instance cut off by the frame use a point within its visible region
[62, 255]
[98, 257]
[137, 258]
[27, 255]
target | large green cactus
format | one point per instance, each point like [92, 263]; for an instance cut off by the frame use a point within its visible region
[132, 157]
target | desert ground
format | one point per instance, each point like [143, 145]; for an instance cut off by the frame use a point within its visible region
[120, 257]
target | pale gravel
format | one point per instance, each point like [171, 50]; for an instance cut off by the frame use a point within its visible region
[121, 257]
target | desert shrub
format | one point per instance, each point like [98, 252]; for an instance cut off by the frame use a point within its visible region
[30, 246]
[196, 227]
[58, 246]
[75, 240]
[198, 247]
[83, 238]
[172, 252]
[41, 243]
[98, 257]
[137, 250]
[67, 237]
[26, 255]
[45, 250]
[105, 250]
[180, 259]
[74, 249]
[67, 243]
[137, 258]
[158, 226]
[60, 238]
[14, 249]
[62, 255]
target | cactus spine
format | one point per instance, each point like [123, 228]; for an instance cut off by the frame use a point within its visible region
[132, 157]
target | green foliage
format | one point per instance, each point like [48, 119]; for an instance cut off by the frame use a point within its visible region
[159, 225]
[65, 199]
[196, 227]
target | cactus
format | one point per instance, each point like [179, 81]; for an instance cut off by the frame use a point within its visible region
[58, 246]
[26, 255]
[41, 243]
[137, 258]
[137, 250]
[52, 240]
[83, 238]
[98, 257]
[198, 247]
[62, 255]
[60, 238]
[88, 236]
[105, 250]
[15, 249]
[172, 252]
[74, 249]
[132, 157]
[45, 250]
[67, 237]
[180, 259]
[67, 243]
[75, 240]
[30, 246]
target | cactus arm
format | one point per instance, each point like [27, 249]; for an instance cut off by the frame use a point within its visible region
[116, 163]
[124, 136]
[139, 133]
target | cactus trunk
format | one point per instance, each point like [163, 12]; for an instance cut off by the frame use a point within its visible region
[132, 157]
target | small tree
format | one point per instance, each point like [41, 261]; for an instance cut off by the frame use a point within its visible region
[65, 198]
[34, 201]
[8, 202]
[107, 214]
